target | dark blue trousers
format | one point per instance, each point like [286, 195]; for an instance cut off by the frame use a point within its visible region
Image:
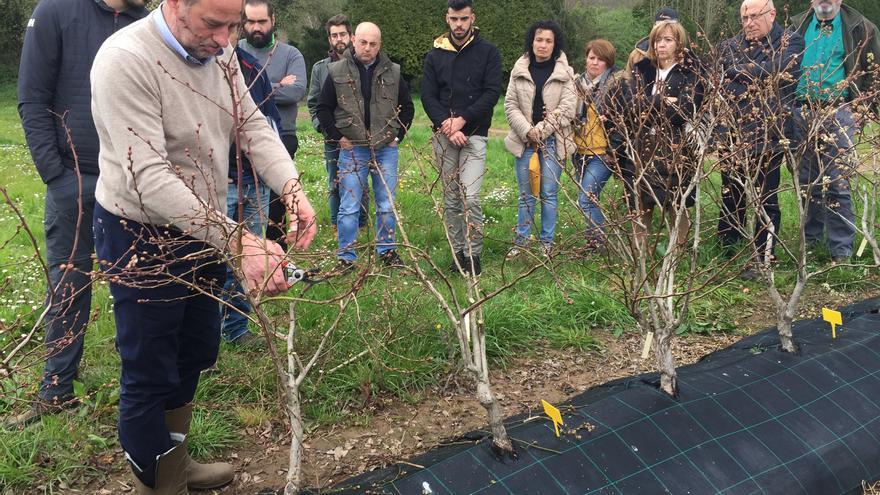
[167, 331]
[69, 294]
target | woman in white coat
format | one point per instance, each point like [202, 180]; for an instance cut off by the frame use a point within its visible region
[540, 107]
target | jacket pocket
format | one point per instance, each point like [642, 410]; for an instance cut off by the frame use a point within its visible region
[385, 84]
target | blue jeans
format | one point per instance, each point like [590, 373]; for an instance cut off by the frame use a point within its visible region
[331, 158]
[355, 165]
[551, 171]
[591, 174]
[256, 216]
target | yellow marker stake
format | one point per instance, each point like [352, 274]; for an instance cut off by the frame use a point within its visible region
[862, 247]
[646, 349]
[553, 414]
[834, 318]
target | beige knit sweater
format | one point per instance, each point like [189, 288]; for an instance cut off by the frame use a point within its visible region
[166, 127]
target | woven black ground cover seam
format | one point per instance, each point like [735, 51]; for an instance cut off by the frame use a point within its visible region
[749, 419]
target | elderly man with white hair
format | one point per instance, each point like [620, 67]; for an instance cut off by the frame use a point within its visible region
[839, 67]
[761, 68]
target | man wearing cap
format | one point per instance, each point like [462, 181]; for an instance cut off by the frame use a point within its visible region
[160, 220]
[662, 14]
[839, 70]
[760, 69]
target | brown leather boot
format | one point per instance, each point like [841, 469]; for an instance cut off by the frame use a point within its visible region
[199, 476]
[170, 472]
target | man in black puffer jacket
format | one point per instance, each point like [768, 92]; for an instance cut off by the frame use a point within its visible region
[460, 86]
[54, 98]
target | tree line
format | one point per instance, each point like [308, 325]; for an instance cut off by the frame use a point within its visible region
[410, 26]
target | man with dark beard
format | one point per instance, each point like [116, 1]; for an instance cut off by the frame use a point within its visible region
[60, 44]
[286, 69]
[339, 36]
[460, 86]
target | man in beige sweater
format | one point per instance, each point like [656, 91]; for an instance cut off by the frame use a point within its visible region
[163, 108]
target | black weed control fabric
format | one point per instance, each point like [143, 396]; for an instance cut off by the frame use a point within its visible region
[749, 419]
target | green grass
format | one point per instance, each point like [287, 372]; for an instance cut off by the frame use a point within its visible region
[408, 338]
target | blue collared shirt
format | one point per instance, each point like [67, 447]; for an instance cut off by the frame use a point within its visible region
[172, 42]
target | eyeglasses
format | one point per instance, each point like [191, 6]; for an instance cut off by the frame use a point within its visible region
[754, 17]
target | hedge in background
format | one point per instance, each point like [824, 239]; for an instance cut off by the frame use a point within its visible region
[13, 19]
[409, 27]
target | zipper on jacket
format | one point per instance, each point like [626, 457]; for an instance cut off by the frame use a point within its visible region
[452, 84]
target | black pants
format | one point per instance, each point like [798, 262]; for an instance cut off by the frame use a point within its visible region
[69, 295]
[277, 213]
[167, 332]
[732, 218]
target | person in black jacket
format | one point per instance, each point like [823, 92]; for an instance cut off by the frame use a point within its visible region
[665, 95]
[249, 194]
[761, 67]
[460, 85]
[54, 98]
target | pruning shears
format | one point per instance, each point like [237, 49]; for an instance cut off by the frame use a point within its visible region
[295, 274]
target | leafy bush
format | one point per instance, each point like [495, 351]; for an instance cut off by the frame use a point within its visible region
[313, 45]
[13, 19]
[623, 29]
[409, 27]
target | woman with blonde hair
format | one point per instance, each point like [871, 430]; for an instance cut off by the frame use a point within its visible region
[666, 94]
[540, 106]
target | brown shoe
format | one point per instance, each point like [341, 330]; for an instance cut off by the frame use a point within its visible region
[392, 259]
[198, 476]
[41, 408]
[169, 472]
[749, 274]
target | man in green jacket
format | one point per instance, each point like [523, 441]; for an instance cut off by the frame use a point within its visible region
[838, 70]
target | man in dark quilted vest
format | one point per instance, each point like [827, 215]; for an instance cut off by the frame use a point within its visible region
[54, 99]
[365, 107]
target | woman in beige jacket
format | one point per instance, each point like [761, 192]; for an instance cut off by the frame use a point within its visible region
[540, 107]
